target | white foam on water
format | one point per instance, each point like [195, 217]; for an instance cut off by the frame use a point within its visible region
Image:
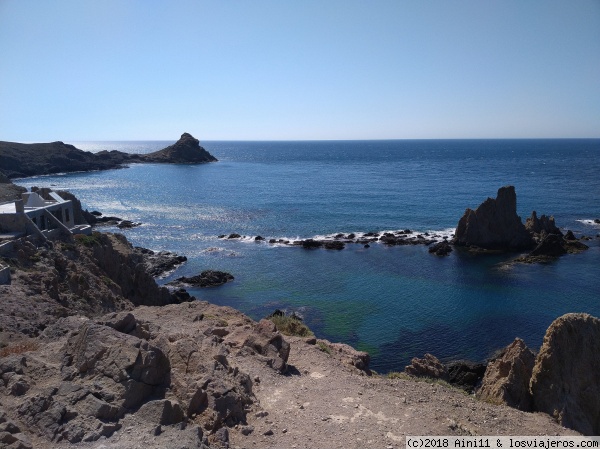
[589, 222]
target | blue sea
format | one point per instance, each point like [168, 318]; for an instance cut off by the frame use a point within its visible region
[394, 302]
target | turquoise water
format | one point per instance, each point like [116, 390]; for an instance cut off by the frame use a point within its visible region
[396, 302]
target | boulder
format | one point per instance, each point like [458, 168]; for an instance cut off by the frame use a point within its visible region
[565, 382]
[428, 366]
[268, 342]
[506, 379]
[494, 225]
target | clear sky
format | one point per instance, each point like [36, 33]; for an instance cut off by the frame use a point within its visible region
[309, 69]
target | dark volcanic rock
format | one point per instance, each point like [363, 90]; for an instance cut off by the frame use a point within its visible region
[160, 263]
[466, 375]
[570, 236]
[552, 245]
[334, 245]
[441, 248]
[494, 224]
[542, 224]
[208, 278]
[186, 150]
[310, 244]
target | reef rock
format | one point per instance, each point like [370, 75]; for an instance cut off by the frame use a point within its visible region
[565, 382]
[494, 225]
[186, 150]
[208, 278]
[442, 248]
[506, 379]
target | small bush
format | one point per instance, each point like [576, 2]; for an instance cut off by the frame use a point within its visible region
[323, 347]
[291, 325]
[397, 375]
[87, 240]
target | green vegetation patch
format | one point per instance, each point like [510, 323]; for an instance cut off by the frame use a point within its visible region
[323, 347]
[87, 240]
[291, 325]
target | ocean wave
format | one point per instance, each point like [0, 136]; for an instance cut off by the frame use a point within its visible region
[356, 237]
[590, 222]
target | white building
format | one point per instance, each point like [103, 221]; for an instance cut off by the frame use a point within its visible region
[40, 217]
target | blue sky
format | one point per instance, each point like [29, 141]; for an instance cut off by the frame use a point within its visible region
[310, 69]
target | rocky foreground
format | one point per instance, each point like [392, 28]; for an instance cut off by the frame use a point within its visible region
[95, 354]
[19, 160]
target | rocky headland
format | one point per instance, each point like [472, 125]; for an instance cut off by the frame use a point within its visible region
[19, 160]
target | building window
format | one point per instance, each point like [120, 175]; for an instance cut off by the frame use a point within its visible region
[67, 218]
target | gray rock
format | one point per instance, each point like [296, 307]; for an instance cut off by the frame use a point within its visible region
[267, 341]
[163, 412]
[565, 382]
[506, 379]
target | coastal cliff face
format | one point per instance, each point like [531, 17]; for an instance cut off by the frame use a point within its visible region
[494, 224]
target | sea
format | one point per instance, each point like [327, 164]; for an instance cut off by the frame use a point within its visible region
[394, 302]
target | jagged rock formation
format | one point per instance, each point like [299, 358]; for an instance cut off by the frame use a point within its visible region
[566, 377]
[541, 225]
[506, 379]
[494, 225]
[186, 150]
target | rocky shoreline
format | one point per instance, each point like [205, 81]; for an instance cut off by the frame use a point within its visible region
[93, 352]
